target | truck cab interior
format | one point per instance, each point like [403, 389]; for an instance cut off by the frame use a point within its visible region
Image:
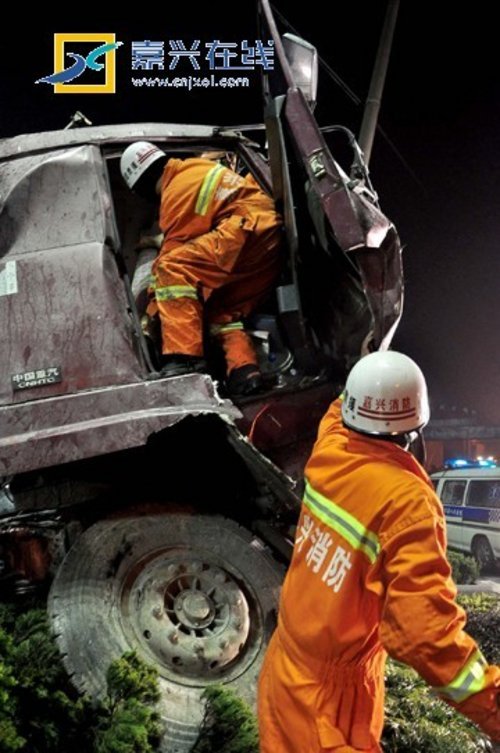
[317, 320]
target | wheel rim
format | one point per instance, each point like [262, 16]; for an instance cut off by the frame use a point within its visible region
[191, 616]
[483, 553]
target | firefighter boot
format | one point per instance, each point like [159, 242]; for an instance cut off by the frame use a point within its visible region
[176, 364]
[245, 380]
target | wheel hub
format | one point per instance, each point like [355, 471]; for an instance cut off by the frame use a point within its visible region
[194, 609]
[191, 616]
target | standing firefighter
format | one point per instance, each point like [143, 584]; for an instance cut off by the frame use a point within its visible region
[369, 575]
[218, 260]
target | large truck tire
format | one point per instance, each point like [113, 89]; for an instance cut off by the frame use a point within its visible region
[195, 596]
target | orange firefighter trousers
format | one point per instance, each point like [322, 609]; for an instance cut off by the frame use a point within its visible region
[218, 260]
[368, 576]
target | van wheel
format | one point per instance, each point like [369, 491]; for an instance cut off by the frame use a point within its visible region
[195, 596]
[483, 553]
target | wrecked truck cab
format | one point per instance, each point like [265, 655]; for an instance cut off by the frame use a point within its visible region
[145, 500]
[161, 510]
[71, 327]
[79, 378]
[147, 481]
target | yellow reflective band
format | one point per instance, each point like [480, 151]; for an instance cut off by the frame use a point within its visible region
[345, 524]
[471, 679]
[170, 292]
[207, 189]
[217, 329]
[152, 282]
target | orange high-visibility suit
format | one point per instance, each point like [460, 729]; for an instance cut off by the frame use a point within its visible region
[220, 255]
[369, 575]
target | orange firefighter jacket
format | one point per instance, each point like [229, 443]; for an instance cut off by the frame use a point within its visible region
[369, 575]
[221, 247]
[196, 194]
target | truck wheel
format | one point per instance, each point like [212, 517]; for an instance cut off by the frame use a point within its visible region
[483, 553]
[195, 596]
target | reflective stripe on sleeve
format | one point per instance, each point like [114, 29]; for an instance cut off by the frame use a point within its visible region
[207, 189]
[170, 292]
[345, 524]
[471, 679]
[218, 329]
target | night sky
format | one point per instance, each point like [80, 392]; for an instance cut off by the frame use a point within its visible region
[441, 110]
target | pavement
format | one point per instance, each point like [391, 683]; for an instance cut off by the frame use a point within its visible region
[489, 584]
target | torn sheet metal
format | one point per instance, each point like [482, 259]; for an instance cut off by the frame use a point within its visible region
[66, 428]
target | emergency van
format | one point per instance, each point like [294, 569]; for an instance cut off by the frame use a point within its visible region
[471, 501]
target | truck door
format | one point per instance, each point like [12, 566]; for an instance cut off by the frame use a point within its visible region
[343, 288]
[66, 319]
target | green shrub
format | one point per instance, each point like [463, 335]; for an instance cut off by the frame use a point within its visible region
[40, 711]
[43, 711]
[229, 725]
[478, 602]
[464, 567]
[418, 722]
[483, 622]
[126, 721]
[10, 740]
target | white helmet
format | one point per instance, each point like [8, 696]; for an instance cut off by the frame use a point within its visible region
[385, 393]
[136, 159]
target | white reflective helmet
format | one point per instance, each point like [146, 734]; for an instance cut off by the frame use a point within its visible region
[385, 393]
[136, 159]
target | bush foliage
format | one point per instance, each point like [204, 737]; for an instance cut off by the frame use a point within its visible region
[418, 722]
[464, 567]
[483, 622]
[40, 712]
[229, 725]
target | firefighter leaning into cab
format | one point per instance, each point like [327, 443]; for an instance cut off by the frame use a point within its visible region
[368, 577]
[219, 258]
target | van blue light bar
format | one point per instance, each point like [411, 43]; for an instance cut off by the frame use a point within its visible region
[468, 463]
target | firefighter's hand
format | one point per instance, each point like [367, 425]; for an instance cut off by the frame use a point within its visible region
[149, 241]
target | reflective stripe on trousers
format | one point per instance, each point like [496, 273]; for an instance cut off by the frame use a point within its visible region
[171, 292]
[222, 329]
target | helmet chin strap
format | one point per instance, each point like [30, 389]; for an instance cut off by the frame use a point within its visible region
[416, 445]
[413, 442]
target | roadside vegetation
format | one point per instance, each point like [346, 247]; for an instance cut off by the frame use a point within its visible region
[40, 711]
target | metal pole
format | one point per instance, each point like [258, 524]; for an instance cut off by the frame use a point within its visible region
[372, 106]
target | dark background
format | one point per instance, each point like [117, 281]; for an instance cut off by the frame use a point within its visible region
[440, 109]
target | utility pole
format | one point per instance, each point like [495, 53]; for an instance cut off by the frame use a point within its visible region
[372, 106]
